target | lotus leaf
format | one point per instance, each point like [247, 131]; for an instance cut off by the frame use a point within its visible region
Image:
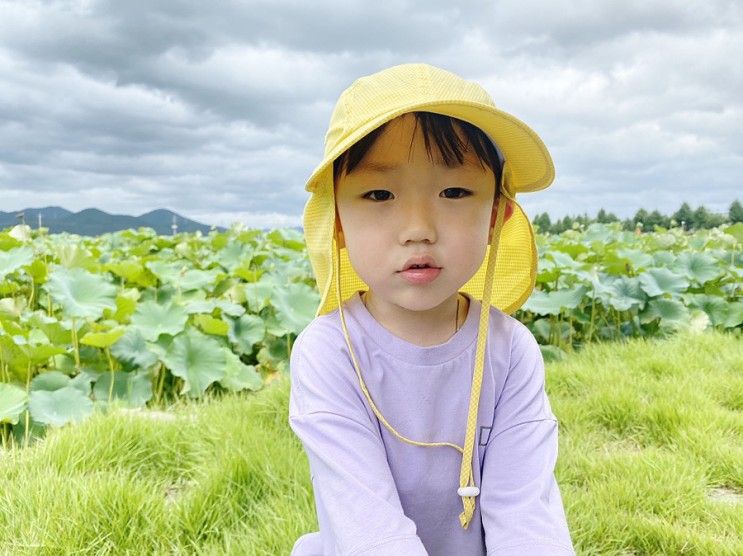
[736, 230]
[671, 312]
[715, 307]
[564, 261]
[296, 305]
[133, 349]
[552, 303]
[626, 293]
[210, 325]
[659, 281]
[72, 254]
[197, 279]
[81, 293]
[13, 401]
[233, 255]
[697, 267]
[103, 339]
[12, 260]
[196, 358]
[734, 314]
[167, 272]
[60, 407]
[245, 331]
[239, 376]
[133, 389]
[638, 259]
[50, 381]
[153, 319]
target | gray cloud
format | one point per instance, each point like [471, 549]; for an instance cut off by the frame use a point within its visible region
[219, 112]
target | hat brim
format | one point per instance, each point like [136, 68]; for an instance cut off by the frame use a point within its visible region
[527, 157]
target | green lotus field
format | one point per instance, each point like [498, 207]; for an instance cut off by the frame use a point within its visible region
[134, 318]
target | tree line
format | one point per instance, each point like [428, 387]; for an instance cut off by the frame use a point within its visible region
[684, 217]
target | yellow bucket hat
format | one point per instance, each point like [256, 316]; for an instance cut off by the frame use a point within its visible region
[507, 274]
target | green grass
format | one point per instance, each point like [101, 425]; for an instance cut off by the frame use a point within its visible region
[650, 462]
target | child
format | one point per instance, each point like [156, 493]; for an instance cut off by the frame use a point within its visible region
[404, 369]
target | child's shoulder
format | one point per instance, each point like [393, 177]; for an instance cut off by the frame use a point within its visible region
[322, 340]
[505, 323]
[508, 330]
[319, 357]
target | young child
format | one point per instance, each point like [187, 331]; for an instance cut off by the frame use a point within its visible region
[419, 401]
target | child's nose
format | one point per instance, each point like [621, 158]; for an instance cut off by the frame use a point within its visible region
[417, 223]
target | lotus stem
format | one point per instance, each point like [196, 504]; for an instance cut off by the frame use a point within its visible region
[26, 433]
[162, 382]
[30, 301]
[4, 368]
[593, 312]
[74, 345]
[636, 328]
[552, 330]
[570, 332]
[111, 368]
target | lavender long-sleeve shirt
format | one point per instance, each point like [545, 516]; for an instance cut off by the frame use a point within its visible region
[377, 495]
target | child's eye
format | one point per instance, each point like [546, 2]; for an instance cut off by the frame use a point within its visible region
[456, 191]
[383, 195]
[382, 191]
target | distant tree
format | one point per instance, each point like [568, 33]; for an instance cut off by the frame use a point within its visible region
[543, 223]
[582, 219]
[546, 222]
[655, 218]
[735, 212]
[628, 225]
[683, 214]
[604, 218]
[716, 219]
[701, 218]
[640, 216]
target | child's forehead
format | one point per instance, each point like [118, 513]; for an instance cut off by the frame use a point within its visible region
[398, 160]
[403, 138]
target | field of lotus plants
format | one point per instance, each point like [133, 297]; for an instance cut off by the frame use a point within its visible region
[134, 318]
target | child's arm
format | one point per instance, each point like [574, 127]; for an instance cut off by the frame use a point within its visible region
[521, 506]
[358, 506]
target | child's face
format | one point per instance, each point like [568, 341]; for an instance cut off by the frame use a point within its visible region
[397, 203]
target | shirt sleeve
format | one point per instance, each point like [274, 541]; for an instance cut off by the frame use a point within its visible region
[358, 506]
[520, 502]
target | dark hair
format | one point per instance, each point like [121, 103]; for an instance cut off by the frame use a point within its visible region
[448, 143]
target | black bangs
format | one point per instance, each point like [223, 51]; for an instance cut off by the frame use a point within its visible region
[438, 130]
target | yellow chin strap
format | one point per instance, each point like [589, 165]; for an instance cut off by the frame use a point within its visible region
[467, 488]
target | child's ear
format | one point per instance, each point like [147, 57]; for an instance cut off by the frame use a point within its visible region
[340, 238]
[494, 213]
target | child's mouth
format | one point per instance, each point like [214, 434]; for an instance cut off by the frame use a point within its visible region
[422, 275]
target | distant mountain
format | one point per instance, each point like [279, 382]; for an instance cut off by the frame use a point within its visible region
[31, 216]
[94, 222]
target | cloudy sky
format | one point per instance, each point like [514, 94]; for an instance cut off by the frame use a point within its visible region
[218, 110]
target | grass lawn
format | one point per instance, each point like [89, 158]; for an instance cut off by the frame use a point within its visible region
[650, 462]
